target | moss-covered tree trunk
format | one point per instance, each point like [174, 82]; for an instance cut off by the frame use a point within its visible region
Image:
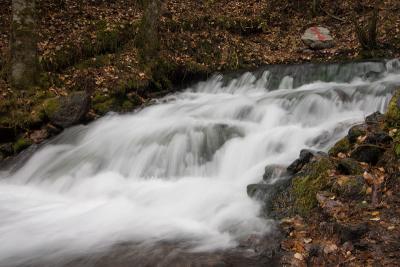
[147, 39]
[24, 58]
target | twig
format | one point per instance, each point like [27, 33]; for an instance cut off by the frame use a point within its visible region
[332, 16]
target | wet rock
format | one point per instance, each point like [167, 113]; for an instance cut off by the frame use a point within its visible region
[305, 157]
[375, 118]
[318, 38]
[351, 232]
[268, 192]
[7, 134]
[257, 191]
[274, 171]
[377, 138]
[349, 186]
[367, 153]
[349, 166]
[356, 131]
[67, 110]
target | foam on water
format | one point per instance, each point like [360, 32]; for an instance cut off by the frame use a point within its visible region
[177, 170]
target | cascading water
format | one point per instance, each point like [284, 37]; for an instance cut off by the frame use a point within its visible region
[177, 171]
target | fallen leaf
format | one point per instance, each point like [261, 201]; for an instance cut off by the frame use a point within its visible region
[375, 213]
[298, 256]
[375, 219]
[330, 248]
[307, 240]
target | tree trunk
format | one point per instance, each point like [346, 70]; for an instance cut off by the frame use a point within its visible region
[147, 39]
[315, 7]
[24, 58]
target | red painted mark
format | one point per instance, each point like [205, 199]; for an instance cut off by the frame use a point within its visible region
[319, 35]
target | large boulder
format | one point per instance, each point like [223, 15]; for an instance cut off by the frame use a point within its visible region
[67, 110]
[318, 38]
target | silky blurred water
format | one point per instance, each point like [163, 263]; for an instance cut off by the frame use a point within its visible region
[177, 170]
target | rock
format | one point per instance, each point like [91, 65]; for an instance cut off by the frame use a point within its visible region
[7, 134]
[7, 149]
[349, 186]
[305, 157]
[267, 192]
[377, 138]
[274, 171]
[356, 131]
[257, 191]
[351, 232]
[367, 153]
[329, 206]
[318, 38]
[375, 118]
[313, 178]
[349, 166]
[393, 112]
[39, 136]
[67, 110]
[342, 146]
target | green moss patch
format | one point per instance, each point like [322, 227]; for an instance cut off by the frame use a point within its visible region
[393, 111]
[315, 178]
[342, 146]
[21, 144]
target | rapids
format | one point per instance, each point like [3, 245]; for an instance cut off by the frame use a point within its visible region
[177, 171]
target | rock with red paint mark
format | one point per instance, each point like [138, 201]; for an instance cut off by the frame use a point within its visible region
[318, 38]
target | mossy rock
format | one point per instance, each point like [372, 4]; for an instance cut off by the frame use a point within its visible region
[397, 149]
[314, 178]
[349, 166]
[342, 146]
[67, 110]
[103, 104]
[393, 112]
[349, 186]
[21, 144]
[356, 131]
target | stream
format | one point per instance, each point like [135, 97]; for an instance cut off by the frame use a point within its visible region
[176, 172]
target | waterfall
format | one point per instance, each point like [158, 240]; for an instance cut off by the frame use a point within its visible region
[177, 171]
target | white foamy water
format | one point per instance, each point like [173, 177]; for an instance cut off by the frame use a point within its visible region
[174, 171]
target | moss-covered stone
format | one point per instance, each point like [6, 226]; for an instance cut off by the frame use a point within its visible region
[342, 146]
[305, 186]
[393, 111]
[356, 131]
[349, 186]
[50, 106]
[349, 166]
[21, 144]
[103, 104]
